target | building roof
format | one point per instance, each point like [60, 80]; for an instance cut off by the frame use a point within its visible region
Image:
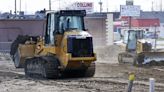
[96, 15]
[153, 15]
[143, 15]
[103, 15]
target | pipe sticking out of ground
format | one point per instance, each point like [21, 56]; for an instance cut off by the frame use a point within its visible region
[151, 85]
[131, 79]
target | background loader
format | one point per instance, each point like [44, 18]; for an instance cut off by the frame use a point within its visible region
[142, 50]
[65, 48]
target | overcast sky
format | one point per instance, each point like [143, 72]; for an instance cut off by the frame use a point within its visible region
[30, 6]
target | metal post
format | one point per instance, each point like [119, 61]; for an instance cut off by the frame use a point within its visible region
[155, 35]
[130, 22]
[151, 85]
[130, 84]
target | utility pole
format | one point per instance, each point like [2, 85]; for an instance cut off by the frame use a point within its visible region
[59, 5]
[15, 7]
[20, 6]
[107, 5]
[161, 6]
[49, 4]
[152, 7]
[100, 3]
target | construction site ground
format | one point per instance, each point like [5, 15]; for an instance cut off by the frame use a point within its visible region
[109, 77]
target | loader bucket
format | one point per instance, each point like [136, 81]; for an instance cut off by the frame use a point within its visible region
[153, 58]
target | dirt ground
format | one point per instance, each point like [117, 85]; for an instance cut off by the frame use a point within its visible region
[109, 77]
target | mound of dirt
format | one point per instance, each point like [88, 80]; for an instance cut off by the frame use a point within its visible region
[108, 53]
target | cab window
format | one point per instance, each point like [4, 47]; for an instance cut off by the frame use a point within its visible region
[49, 37]
[70, 22]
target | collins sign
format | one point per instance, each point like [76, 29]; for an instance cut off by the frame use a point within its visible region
[84, 5]
[88, 6]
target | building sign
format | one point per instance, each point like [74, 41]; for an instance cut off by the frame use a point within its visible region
[130, 10]
[129, 2]
[88, 6]
[84, 5]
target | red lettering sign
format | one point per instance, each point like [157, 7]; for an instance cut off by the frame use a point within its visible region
[84, 4]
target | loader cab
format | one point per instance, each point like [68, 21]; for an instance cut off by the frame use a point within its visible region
[133, 36]
[62, 21]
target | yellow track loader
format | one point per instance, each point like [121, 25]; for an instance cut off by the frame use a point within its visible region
[142, 50]
[65, 48]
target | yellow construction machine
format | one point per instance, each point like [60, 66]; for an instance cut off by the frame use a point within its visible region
[66, 47]
[142, 50]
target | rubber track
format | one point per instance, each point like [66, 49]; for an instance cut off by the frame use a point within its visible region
[47, 65]
[51, 66]
[84, 72]
[91, 70]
